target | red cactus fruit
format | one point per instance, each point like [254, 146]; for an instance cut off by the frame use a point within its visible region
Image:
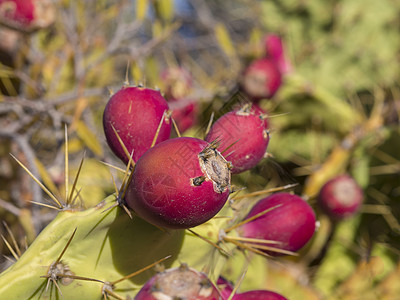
[274, 50]
[26, 15]
[261, 79]
[225, 287]
[258, 111]
[184, 115]
[179, 283]
[177, 83]
[19, 11]
[243, 137]
[135, 113]
[290, 222]
[340, 197]
[259, 295]
[179, 183]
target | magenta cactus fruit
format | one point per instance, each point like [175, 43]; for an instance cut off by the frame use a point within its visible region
[135, 113]
[340, 197]
[290, 222]
[275, 50]
[184, 114]
[179, 283]
[258, 295]
[261, 79]
[27, 15]
[21, 12]
[225, 287]
[180, 183]
[243, 137]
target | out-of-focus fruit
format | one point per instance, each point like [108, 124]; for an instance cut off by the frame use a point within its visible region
[21, 11]
[290, 222]
[184, 115]
[179, 183]
[275, 50]
[179, 283]
[340, 197]
[261, 79]
[243, 137]
[135, 113]
[176, 82]
[27, 15]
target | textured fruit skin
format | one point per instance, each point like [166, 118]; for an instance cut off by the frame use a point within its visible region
[247, 131]
[179, 283]
[225, 288]
[340, 197]
[135, 113]
[162, 190]
[261, 79]
[19, 11]
[292, 224]
[259, 295]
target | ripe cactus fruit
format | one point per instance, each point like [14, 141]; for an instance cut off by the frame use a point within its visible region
[341, 197]
[261, 79]
[290, 222]
[274, 50]
[243, 136]
[27, 15]
[179, 183]
[18, 11]
[179, 283]
[225, 287]
[185, 115]
[258, 295]
[135, 113]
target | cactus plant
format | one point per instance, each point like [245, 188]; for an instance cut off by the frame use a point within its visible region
[334, 114]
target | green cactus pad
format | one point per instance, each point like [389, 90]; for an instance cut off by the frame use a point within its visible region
[107, 246]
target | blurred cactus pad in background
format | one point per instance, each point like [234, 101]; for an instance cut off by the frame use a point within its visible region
[295, 192]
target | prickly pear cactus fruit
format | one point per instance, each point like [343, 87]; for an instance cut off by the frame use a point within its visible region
[179, 283]
[223, 150]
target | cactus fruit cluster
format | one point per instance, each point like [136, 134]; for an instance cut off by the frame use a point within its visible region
[239, 179]
[171, 185]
